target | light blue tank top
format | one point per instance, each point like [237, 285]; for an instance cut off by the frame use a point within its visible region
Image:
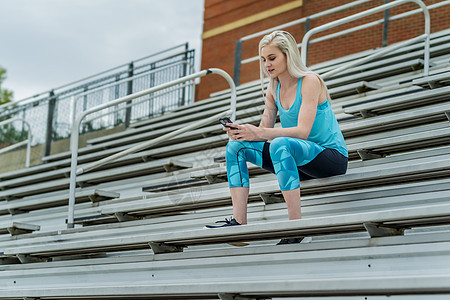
[325, 130]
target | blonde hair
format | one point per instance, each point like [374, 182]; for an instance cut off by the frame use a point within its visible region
[288, 46]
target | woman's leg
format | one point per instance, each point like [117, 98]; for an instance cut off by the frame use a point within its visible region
[287, 154]
[239, 197]
[237, 156]
[293, 203]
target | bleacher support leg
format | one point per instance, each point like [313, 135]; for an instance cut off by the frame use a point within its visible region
[159, 248]
[123, 217]
[366, 114]
[214, 179]
[366, 154]
[24, 259]
[269, 199]
[381, 230]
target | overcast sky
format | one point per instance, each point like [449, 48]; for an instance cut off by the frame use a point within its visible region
[48, 43]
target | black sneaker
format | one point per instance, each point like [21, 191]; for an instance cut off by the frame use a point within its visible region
[290, 241]
[231, 222]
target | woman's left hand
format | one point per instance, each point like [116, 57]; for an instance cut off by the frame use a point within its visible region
[245, 132]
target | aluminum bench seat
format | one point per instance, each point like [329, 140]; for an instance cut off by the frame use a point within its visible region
[392, 91]
[30, 171]
[375, 174]
[39, 195]
[387, 143]
[415, 116]
[51, 217]
[436, 39]
[258, 214]
[433, 81]
[25, 204]
[385, 62]
[96, 177]
[353, 88]
[157, 166]
[309, 270]
[377, 223]
[241, 289]
[388, 105]
[399, 68]
[16, 228]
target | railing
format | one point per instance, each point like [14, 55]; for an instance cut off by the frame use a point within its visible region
[47, 112]
[17, 145]
[425, 36]
[238, 51]
[239, 62]
[31, 100]
[74, 170]
[76, 98]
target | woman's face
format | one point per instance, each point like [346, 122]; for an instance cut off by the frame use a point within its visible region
[274, 60]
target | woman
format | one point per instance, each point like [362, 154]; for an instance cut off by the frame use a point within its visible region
[309, 144]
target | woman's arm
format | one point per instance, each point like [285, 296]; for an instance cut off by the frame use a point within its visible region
[268, 119]
[269, 115]
[311, 90]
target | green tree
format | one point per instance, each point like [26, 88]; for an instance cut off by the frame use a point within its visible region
[5, 95]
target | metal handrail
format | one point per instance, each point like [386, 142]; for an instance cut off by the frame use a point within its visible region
[378, 53]
[426, 36]
[28, 140]
[378, 22]
[6, 105]
[239, 62]
[74, 171]
[333, 35]
[75, 98]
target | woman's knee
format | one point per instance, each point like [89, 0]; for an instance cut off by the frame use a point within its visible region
[277, 144]
[233, 147]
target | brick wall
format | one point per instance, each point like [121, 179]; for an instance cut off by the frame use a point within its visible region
[226, 21]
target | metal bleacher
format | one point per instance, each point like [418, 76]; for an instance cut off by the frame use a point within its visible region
[381, 230]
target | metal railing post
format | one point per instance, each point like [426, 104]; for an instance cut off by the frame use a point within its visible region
[307, 28]
[385, 26]
[50, 115]
[74, 171]
[237, 62]
[184, 91]
[129, 92]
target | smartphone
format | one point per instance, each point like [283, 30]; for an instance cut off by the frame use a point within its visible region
[224, 122]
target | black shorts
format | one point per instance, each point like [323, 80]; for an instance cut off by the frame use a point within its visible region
[329, 162]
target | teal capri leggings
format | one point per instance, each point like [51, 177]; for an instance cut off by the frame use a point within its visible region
[290, 159]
